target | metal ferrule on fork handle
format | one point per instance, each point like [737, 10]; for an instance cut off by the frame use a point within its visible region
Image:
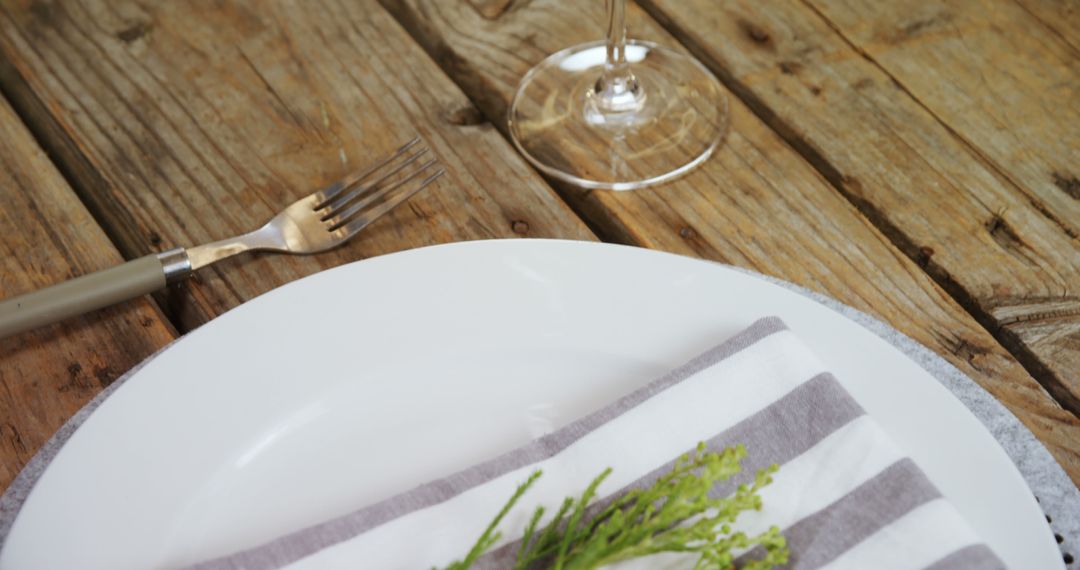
[176, 264]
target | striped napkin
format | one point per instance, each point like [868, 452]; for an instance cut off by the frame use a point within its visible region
[845, 496]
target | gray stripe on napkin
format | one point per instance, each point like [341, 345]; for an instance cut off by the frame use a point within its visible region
[777, 434]
[974, 557]
[305, 542]
[821, 537]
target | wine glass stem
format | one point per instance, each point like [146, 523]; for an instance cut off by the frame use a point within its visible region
[617, 90]
[616, 39]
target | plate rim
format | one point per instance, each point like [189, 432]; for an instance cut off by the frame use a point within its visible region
[10, 503]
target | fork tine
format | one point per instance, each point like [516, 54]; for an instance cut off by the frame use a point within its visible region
[361, 187]
[338, 187]
[384, 206]
[340, 217]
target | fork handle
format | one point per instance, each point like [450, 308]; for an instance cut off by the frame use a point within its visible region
[94, 291]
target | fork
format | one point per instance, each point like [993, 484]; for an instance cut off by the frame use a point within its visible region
[317, 222]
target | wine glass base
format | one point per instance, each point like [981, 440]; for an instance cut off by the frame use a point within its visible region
[556, 123]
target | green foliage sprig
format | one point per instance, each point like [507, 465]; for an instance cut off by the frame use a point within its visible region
[675, 514]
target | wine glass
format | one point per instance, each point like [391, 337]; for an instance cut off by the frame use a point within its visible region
[619, 114]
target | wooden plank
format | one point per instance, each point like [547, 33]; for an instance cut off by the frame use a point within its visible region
[756, 204]
[187, 122]
[46, 236]
[994, 75]
[1008, 256]
[1061, 17]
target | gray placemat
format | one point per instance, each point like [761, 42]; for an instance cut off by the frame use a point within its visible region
[1057, 495]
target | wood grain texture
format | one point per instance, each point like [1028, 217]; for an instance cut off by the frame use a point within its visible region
[46, 236]
[756, 204]
[1061, 17]
[985, 239]
[993, 74]
[187, 122]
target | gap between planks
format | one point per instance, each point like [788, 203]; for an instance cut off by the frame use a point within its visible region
[48, 134]
[1008, 339]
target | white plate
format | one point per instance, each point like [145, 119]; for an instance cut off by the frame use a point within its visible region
[350, 385]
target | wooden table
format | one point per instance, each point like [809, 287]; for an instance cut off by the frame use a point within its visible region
[917, 160]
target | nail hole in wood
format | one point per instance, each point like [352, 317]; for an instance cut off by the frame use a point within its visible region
[132, 33]
[756, 33]
[466, 116]
[1068, 184]
[790, 67]
[1003, 233]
